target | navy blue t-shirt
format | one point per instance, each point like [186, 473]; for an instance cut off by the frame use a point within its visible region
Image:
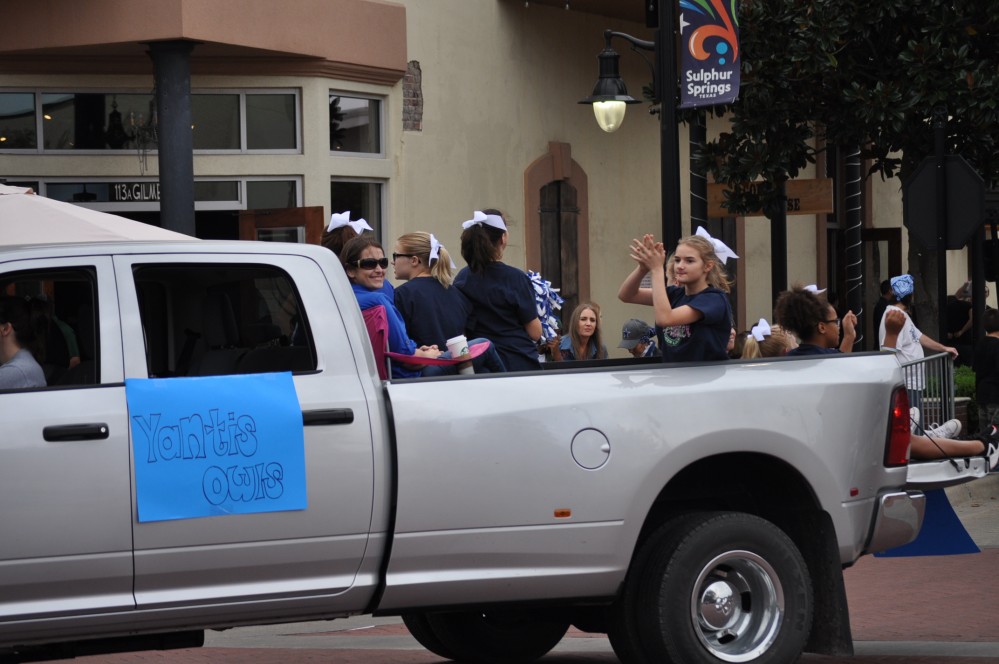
[433, 314]
[705, 340]
[502, 304]
[812, 349]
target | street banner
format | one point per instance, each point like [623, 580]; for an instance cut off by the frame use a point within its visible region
[709, 53]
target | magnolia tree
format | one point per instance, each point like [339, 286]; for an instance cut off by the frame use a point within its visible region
[859, 75]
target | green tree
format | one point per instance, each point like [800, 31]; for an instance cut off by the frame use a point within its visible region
[856, 73]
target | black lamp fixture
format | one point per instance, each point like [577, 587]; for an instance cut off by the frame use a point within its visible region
[610, 95]
[610, 99]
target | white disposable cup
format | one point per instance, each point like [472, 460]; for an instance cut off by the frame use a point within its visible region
[457, 346]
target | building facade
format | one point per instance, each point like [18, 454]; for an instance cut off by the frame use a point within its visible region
[411, 114]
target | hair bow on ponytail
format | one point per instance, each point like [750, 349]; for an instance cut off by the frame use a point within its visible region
[435, 251]
[340, 219]
[479, 218]
[812, 288]
[761, 330]
[721, 249]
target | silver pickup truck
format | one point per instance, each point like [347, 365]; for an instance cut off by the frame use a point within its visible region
[694, 513]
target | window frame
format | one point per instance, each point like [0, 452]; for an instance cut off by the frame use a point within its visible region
[242, 92]
[382, 102]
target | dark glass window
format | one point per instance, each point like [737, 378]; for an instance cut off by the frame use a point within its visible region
[98, 121]
[363, 199]
[211, 320]
[355, 124]
[270, 194]
[17, 121]
[215, 120]
[270, 122]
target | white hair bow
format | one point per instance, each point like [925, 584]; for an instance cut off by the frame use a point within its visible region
[435, 251]
[761, 330]
[480, 217]
[721, 249]
[340, 219]
[812, 288]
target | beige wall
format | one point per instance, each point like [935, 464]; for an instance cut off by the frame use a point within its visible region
[521, 71]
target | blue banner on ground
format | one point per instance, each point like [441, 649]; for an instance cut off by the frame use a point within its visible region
[942, 534]
[709, 53]
[216, 445]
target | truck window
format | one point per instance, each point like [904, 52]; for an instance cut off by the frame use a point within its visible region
[211, 320]
[63, 311]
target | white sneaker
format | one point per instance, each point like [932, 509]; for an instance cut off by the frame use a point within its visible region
[949, 429]
[913, 419]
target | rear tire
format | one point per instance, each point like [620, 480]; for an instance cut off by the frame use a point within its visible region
[727, 587]
[419, 626]
[622, 623]
[498, 637]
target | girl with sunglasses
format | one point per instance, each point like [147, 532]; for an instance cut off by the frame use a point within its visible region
[365, 263]
[503, 305]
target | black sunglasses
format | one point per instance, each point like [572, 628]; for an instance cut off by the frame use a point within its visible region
[396, 256]
[372, 263]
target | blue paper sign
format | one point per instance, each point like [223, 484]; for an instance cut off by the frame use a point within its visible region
[216, 445]
[709, 61]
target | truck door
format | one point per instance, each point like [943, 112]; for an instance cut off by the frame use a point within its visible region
[237, 315]
[65, 526]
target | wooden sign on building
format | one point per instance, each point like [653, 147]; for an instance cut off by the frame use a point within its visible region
[813, 196]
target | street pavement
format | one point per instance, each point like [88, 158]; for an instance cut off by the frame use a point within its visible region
[919, 610]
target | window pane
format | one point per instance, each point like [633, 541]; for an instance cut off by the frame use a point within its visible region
[265, 195]
[270, 122]
[17, 121]
[235, 319]
[64, 314]
[216, 122]
[216, 190]
[355, 124]
[363, 199]
[97, 121]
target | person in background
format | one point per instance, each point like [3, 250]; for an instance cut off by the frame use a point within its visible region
[584, 339]
[694, 317]
[959, 324]
[503, 306]
[806, 314]
[911, 341]
[18, 367]
[879, 307]
[636, 338]
[767, 340]
[986, 367]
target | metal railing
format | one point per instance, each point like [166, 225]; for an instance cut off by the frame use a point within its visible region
[930, 382]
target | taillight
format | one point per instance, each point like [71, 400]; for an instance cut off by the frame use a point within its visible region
[899, 433]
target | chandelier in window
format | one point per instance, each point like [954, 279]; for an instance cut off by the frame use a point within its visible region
[141, 131]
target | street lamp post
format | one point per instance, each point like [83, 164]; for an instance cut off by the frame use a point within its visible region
[610, 97]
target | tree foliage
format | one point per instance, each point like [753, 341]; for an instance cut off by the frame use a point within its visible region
[858, 73]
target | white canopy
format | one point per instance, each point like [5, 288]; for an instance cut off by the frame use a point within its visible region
[26, 218]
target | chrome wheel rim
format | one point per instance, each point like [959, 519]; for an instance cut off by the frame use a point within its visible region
[736, 606]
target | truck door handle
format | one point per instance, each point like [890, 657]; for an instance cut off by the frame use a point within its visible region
[63, 432]
[328, 416]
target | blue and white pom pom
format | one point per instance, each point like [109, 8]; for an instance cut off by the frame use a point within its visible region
[548, 301]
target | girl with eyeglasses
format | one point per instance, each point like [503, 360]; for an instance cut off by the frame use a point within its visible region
[808, 315]
[18, 367]
[433, 309]
[365, 264]
[504, 308]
